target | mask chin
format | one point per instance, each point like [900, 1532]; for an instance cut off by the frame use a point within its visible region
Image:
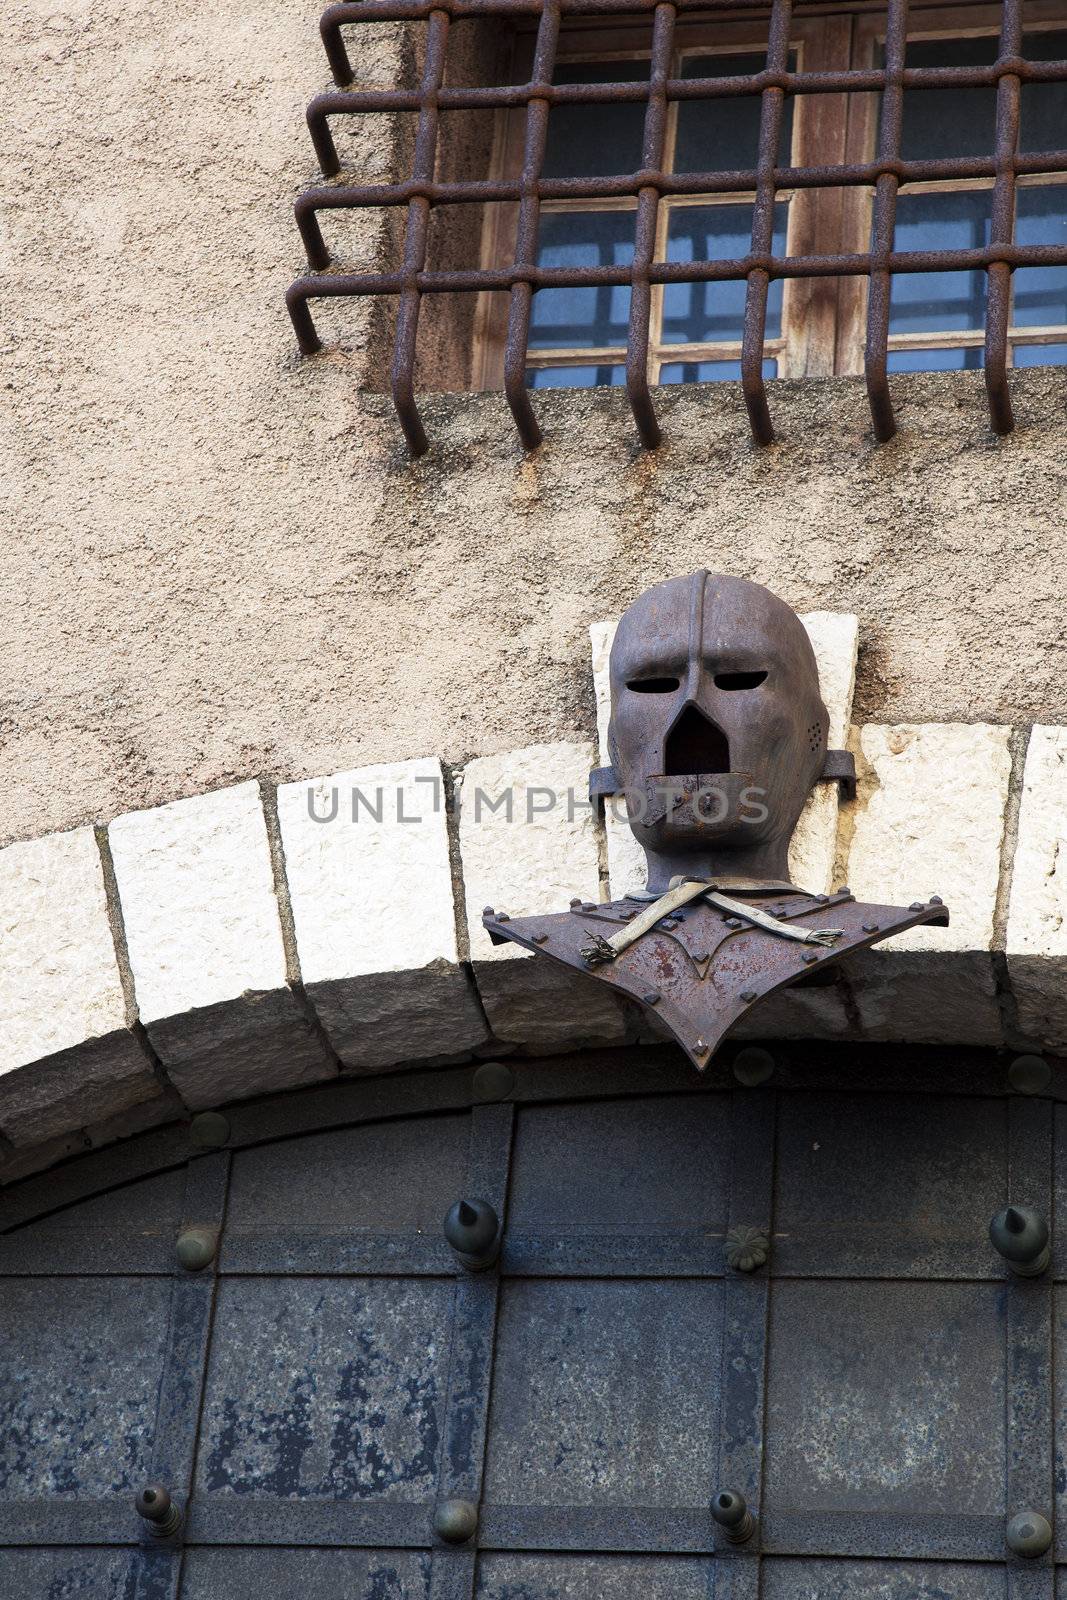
[700, 808]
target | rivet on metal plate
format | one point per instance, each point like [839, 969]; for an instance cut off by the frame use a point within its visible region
[746, 1248]
[196, 1248]
[1030, 1074]
[1028, 1534]
[753, 1066]
[493, 1080]
[455, 1521]
[210, 1130]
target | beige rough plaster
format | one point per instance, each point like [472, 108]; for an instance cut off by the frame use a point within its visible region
[1037, 916]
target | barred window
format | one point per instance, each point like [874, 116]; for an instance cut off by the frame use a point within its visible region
[679, 194]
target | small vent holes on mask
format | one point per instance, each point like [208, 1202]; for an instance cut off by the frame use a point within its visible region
[815, 737]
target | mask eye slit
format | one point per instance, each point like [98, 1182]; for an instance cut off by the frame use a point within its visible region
[739, 680]
[664, 685]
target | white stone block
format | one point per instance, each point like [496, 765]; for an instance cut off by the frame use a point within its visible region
[528, 841]
[66, 1053]
[205, 946]
[370, 884]
[1037, 915]
[930, 820]
[835, 640]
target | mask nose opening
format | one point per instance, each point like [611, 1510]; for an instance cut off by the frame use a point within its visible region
[695, 744]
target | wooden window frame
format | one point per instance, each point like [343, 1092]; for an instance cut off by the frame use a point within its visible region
[823, 320]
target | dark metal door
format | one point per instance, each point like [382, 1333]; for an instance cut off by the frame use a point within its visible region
[881, 1391]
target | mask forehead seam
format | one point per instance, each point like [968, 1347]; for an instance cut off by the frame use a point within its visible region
[697, 590]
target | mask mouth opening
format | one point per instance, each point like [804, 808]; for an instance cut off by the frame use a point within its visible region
[695, 744]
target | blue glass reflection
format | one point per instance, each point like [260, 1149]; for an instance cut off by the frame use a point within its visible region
[936, 360]
[582, 317]
[698, 313]
[575, 377]
[1039, 294]
[923, 302]
[1040, 355]
[708, 371]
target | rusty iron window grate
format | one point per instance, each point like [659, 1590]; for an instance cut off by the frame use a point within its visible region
[523, 276]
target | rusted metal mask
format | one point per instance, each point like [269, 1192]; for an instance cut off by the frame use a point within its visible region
[718, 732]
[718, 729]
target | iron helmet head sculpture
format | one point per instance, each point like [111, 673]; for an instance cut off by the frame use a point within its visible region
[718, 729]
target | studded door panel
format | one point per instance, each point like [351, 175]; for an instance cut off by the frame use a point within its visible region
[880, 1392]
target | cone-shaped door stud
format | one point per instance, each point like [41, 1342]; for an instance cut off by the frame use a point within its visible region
[472, 1228]
[731, 1512]
[157, 1509]
[196, 1247]
[1020, 1235]
[1028, 1534]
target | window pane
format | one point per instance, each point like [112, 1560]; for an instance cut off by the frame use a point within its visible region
[708, 371]
[694, 313]
[575, 377]
[1040, 355]
[593, 316]
[1039, 294]
[1044, 105]
[723, 135]
[939, 123]
[935, 360]
[596, 141]
[924, 301]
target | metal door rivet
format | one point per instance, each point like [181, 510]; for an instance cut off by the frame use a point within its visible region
[493, 1081]
[753, 1066]
[155, 1506]
[1021, 1236]
[540, 938]
[196, 1248]
[700, 1048]
[455, 1521]
[651, 998]
[731, 1512]
[1030, 1074]
[870, 927]
[748, 995]
[1029, 1534]
[210, 1130]
[916, 905]
[746, 1248]
[809, 956]
[472, 1228]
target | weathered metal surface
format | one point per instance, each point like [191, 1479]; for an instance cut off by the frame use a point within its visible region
[882, 1422]
[698, 974]
[325, 1389]
[80, 1363]
[423, 191]
[605, 1394]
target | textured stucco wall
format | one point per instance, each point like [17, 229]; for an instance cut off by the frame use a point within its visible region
[218, 561]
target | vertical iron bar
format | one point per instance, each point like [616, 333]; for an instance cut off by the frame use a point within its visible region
[876, 353]
[648, 198]
[772, 101]
[470, 1370]
[418, 223]
[526, 233]
[1002, 225]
